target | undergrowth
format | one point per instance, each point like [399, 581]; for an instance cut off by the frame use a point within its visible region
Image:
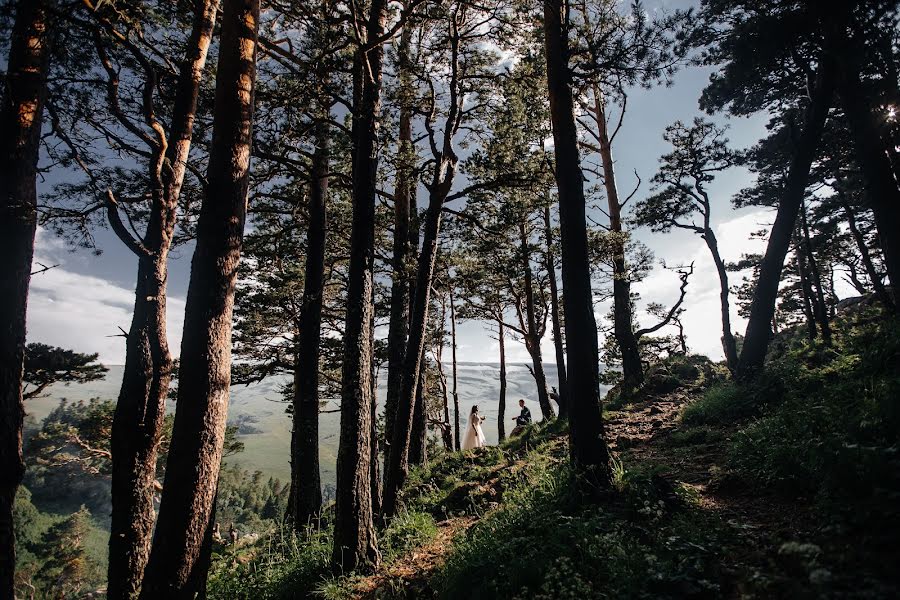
[833, 428]
[545, 542]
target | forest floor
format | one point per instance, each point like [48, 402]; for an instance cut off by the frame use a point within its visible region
[784, 487]
[779, 546]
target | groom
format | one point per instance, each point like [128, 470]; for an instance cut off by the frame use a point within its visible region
[523, 420]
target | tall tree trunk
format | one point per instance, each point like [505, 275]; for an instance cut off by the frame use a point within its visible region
[805, 288]
[179, 558]
[456, 438]
[444, 171]
[446, 429]
[532, 335]
[623, 321]
[882, 192]
[140, 409]
[21, 115]
[555, 318]
[762, 307]
[501, 411]
[404, 190]
[728, 343]
[306, 487]
[355, 545]
[589, 454]
[864, 253]
[419, 436]
[821, 308]
[398, 468]
[374, 464]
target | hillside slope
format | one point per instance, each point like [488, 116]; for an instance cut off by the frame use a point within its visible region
[784, 489]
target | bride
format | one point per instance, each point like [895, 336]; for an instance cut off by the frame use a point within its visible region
[474, 435]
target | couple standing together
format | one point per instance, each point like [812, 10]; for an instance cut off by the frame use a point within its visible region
[475, 436]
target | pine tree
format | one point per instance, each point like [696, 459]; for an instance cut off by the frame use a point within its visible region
[21, 117]
[179, 558]
[699, 151]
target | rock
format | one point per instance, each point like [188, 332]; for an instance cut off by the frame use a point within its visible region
[799, 557]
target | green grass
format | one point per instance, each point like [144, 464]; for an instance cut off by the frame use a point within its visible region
[278, 566]
[832, 427]
[722, 404]
[545, 543]
[407, 530]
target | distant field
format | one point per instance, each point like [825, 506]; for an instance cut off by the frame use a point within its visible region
[258, 408]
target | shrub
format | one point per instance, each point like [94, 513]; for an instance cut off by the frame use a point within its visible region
[282, 565]
[406, 531]
[834, 430]
[721, 404]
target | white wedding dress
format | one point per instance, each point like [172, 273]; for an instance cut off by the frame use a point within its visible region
[474, 435]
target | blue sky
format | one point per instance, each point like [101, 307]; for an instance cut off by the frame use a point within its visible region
[81, 304]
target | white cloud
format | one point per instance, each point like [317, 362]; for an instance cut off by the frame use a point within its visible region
[83, 312]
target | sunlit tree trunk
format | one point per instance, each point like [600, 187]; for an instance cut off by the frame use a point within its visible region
[21, 115]
[179, 558]
[404, 191]
[456, 438]
[140, 409]
[589, 454]
[418, 439]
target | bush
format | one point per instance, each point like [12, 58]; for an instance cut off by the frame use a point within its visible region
[406, 531]
[283, 565]
[721, 404]
[834, 429]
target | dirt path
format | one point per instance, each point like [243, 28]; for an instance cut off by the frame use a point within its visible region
[407, 577]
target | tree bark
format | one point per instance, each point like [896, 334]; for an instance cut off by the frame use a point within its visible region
[728, 343]
[21, 116]
[882, 192]
[623, 322]
[374, 464]
[555, 317]
[762, 307]
[306, 486]
[589, 454]
[501, 411]
[532, 334]
[456, 438]
[444, 171]
[418, 438]
[140, 409]
[404, 190]
[355, 545]
[179, 558]
[398, 468]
